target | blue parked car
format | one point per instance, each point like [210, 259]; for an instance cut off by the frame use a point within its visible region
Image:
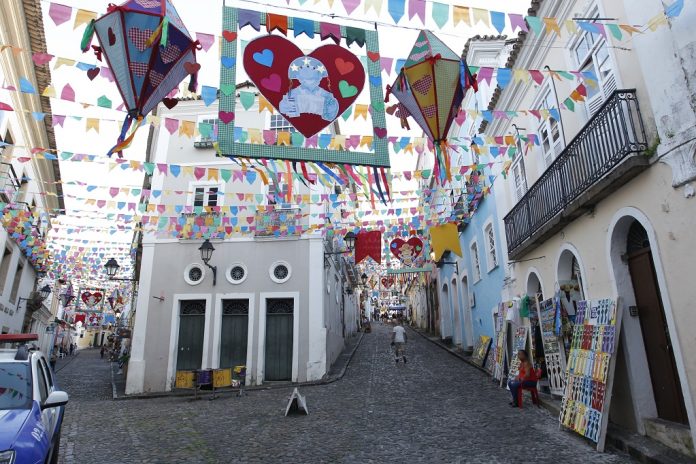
[31, 406]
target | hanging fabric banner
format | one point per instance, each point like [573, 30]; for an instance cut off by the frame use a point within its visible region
[368, 244]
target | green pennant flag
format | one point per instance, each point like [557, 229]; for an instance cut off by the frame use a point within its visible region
[440, 14]
[346, 114]
[149, 168]
[247, 99]
[226, 174]
[104, 102]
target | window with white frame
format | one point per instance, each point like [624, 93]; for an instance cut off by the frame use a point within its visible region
[280, 124]
[490, 247]
[475, 263]
[519, 176]
[207, 195]
[591, 53]
[549, 131]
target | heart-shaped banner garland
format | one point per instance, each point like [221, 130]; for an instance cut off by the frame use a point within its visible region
[310, 91]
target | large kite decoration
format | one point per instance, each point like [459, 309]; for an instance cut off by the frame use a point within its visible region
[149, 51]
[430, 88]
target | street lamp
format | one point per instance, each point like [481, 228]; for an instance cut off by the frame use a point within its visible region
[206, 250]
[350, 239]
[112, 268]
[44, 292]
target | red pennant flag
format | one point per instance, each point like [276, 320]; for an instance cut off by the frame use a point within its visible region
[368, 244]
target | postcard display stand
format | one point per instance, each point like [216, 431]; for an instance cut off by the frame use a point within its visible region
[590, 370]
[519, 342]
[499, 353]
[554, 353]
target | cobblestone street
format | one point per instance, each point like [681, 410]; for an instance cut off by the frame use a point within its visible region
[436, 408]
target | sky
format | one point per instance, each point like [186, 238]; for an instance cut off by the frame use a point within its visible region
[199, 16]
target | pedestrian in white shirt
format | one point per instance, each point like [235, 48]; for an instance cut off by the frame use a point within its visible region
[399, 341]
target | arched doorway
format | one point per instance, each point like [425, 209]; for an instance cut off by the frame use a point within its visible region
[571, 289]
[664, 375]
[536, 296]
[457, 323]
[468, 317]
[445, 319]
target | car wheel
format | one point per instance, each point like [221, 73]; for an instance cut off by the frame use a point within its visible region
[55, 451]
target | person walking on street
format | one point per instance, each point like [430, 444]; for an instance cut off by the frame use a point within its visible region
[54, 358]
[399, 341]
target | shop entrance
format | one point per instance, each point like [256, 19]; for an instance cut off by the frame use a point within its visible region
[279, 335]
[189, 354]
[234, 333]
[658, 346]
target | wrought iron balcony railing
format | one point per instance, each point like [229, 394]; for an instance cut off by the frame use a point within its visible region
[614, 133]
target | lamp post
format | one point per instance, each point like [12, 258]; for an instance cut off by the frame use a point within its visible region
[112, 267]
[350, 239]
[206, 250]
[442, 262]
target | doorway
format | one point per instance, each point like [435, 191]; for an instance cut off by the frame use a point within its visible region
[234, 333]
[664, 376]
[189, 354]
[279, 337]
[455, 305]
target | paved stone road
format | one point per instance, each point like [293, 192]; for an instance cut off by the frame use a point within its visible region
[435, 409]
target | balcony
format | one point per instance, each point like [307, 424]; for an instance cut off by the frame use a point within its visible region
[605, 154]
[278, 222]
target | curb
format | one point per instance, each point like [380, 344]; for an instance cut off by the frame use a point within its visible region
[183, 394]
[451, 351]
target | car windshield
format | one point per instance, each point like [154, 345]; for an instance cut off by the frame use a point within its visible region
[15, 386]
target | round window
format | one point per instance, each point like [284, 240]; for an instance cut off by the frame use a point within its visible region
[280, 272]
[194, 274]
[236, 273]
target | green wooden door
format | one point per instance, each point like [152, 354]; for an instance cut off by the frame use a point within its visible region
[234, 333]
[279, 328]
[191, 330]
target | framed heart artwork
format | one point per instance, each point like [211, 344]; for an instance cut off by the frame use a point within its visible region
[310, 90]
[92, 299]
[407, 251]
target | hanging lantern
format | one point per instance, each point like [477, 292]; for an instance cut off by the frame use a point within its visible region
[430, 88]
[149, 51]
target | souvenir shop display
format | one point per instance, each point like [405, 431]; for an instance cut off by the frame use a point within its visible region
[481, 350]
[554, 354]
[519, 342]
[500, 336]
[590, 369]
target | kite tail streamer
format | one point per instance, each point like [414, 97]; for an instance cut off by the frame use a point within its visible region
[445, 154]
[289, 180]
[124, 141]
[386, 184]
[379, 187]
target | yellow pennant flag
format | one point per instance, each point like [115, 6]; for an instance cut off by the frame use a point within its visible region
[520, 75]
[630, 29]
[571, 26]
[152, 120]
[187, 170]
[49, 91]
[481, 15]
[213, 173]
[366, 140]
[339, 142]
[552, 26]
[461, 14]
[63, 61]
[83, 17]
[283, 138]
[186, 128]
[254, 135]
[375, 4]
[445, 238]
[264, 104]
[656, 21]
[92, 123]
[360, 110]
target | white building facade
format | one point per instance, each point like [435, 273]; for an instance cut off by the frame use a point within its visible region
[278, 304]
[604, 200]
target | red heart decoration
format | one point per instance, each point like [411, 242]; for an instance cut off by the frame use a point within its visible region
[373, 56]
[192, 68]
[387, 281]
[112, 37]
[92, 73]
[267, 62]
[91, 299]
[226, 116]
[229, 36]
[170, 102]
[397, 248]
